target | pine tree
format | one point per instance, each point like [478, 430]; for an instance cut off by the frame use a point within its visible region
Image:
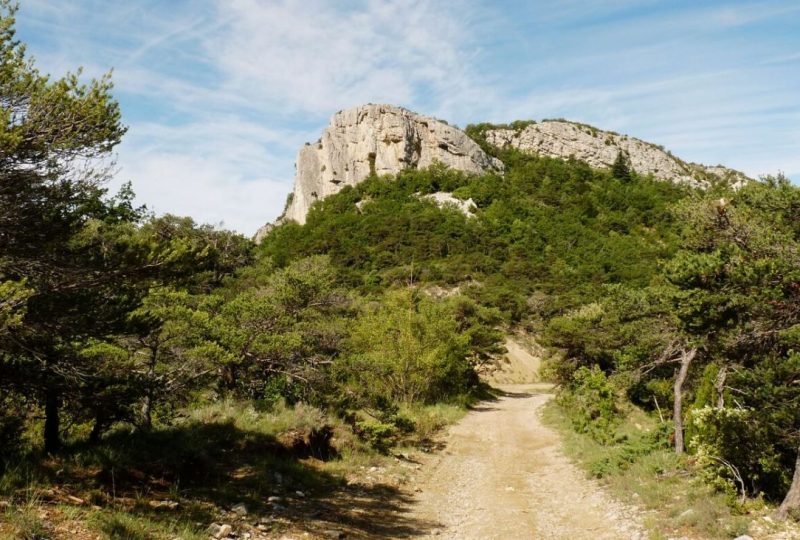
[621, 168]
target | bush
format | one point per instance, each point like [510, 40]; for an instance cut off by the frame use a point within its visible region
[406, 349]
[380, 435]
[734, 453]
[589, 402]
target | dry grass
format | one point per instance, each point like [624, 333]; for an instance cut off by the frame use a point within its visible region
[215, 456]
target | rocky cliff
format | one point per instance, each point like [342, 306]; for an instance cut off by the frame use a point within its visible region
[378, 139]
[382, 139]
[598, 148]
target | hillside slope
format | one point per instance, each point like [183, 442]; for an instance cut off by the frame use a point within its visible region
[599, 148]
[384, 140]
[378, 139]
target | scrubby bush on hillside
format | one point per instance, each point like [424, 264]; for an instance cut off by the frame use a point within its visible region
[590, 403]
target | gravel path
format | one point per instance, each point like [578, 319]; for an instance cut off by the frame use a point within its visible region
[503, 475]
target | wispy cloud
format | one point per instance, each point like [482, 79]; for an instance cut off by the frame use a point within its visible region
[316, 57]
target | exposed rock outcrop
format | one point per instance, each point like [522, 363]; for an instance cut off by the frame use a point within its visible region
[379, 139]
[383, 139]
[263, 231]
[444, 199]
[598, 148]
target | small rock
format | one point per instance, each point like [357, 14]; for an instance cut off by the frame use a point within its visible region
[743, 537]
[224, 530]
[333, 533]
[279, 508]
[274, 499]
[214, 530]
[300, 494]
[240, 509]
[169, 505]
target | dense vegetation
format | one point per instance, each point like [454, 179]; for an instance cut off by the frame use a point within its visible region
[143, 354]
[120, 330]
[663, 297]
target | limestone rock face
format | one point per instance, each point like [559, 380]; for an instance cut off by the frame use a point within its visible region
[444, 200]
[598, 148]
[263, 232]
[379, 139]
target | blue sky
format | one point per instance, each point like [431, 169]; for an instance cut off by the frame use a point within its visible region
[220, 94]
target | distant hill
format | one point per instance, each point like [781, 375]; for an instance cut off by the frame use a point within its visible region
[384, 139]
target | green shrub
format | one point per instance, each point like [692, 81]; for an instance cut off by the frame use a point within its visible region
[406, 349]
[589, 402]
[379, 435]
[733, 452]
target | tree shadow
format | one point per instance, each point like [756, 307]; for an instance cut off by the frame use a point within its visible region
[482, 408]
[216, 472]
[517, 395]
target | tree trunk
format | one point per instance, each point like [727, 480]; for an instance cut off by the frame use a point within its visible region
[52, 426]
[147, 411]
[719, 386]
[677, 413]
[147, 403]
[791, 503]
[228, 378]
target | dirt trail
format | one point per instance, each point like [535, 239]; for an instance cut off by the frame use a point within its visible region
[503, 475]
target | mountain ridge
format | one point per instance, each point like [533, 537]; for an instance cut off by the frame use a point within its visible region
[599, 148]
[379, 139]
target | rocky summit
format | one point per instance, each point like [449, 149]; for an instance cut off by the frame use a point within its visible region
[598, 148]
[378, 139]
[384, 139]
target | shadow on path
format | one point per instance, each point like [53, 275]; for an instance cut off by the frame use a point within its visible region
[196, 474]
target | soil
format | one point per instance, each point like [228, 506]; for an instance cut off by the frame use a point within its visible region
[503, 475]
[520, 365]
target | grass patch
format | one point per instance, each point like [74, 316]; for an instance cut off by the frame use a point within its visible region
[638, 468]
[431, 419]
[178, 479]
[120, 525]
[24, 523]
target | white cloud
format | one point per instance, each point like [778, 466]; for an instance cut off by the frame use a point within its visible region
[219, 169]
[317, 57]
[204, 188]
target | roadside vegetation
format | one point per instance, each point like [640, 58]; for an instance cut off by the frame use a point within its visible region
[709, 345]
[636, 463]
